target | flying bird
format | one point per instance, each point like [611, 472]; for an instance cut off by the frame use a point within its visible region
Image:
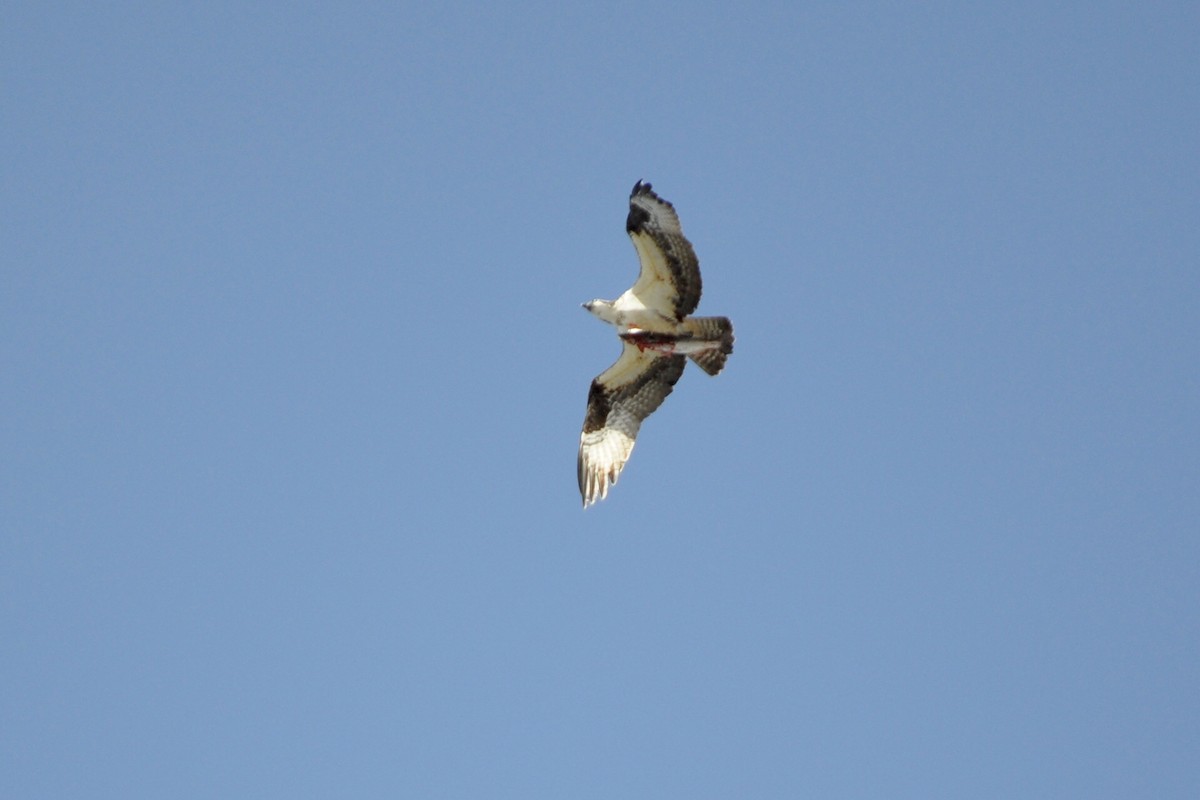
[657, 338]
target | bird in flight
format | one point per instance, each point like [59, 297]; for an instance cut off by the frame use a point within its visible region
[657, 338]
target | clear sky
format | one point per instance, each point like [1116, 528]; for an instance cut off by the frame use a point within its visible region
[292, 370]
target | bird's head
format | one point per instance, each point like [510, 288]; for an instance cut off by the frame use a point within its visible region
[601, 308]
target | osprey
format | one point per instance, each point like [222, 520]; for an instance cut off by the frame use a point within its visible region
[657, 337]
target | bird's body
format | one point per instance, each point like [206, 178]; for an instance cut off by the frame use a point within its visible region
[658, 337]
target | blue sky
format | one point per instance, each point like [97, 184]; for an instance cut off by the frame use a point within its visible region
[294, 368]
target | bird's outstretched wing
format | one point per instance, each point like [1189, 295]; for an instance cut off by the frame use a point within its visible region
[669, 281]
[620, 398]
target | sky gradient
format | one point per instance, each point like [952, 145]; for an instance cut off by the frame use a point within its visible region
[294, 369]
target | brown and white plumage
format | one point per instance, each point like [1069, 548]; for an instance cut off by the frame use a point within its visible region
[657, 339]
[620, 398]
[669, 281]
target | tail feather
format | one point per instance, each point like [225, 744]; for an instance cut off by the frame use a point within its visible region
[718, 330]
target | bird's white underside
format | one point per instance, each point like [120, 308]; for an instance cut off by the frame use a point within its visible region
[629, 312]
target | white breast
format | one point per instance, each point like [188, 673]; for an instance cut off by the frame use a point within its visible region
[633, 313]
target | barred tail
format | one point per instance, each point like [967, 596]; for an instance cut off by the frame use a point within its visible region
[718, 330]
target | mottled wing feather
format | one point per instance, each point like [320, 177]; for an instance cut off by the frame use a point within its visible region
[669, 281]
[620, 398]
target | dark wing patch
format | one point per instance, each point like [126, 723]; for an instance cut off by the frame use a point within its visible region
[669, 280]
[619, 399]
